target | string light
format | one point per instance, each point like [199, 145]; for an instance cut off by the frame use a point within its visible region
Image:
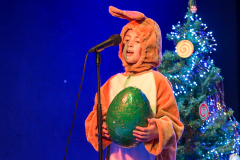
[195, 74]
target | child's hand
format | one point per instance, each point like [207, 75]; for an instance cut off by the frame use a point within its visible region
[104, 128]
[146, 134]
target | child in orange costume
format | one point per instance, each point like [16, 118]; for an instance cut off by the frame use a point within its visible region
[140, 52]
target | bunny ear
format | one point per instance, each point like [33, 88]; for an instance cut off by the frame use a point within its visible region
[129, 15]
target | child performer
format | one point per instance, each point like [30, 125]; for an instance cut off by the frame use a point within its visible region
[140, 52]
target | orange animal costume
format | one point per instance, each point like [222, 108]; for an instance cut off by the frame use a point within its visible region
[152, 83]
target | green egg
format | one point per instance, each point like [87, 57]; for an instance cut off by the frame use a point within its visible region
[130, 108]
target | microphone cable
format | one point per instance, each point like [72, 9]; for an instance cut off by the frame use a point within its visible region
[76, 105]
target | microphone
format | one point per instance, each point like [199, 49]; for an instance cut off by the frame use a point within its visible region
[113, 40]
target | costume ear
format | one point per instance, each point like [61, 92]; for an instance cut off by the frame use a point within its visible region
[129, 15]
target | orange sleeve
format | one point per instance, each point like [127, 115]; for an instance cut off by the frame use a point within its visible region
[167, 119]
[91, 125]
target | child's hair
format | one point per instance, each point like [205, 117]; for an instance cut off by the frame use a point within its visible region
[149, 34]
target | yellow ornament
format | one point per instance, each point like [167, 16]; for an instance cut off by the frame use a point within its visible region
[234, 157]
[185, 48]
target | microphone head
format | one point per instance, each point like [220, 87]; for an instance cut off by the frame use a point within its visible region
[116, 38]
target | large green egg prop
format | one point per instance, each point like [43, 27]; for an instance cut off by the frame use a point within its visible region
[130, 108]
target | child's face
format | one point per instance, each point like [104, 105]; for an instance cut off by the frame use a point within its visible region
[132, 47]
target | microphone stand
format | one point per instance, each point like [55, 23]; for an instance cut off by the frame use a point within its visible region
[99, 107]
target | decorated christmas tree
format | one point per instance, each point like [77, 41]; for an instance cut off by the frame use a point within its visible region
[211, 131]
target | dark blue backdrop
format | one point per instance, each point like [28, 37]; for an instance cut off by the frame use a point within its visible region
[43, 46]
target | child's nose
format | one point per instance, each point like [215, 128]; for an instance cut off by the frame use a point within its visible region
[130, 44]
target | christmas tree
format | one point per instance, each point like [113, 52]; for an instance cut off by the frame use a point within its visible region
[211, 131]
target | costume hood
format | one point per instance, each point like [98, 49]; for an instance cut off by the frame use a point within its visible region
[149, 34]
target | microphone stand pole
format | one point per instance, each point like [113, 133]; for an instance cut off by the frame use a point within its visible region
[99, 107]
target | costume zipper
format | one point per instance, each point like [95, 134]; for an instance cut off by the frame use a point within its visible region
[127, 80]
